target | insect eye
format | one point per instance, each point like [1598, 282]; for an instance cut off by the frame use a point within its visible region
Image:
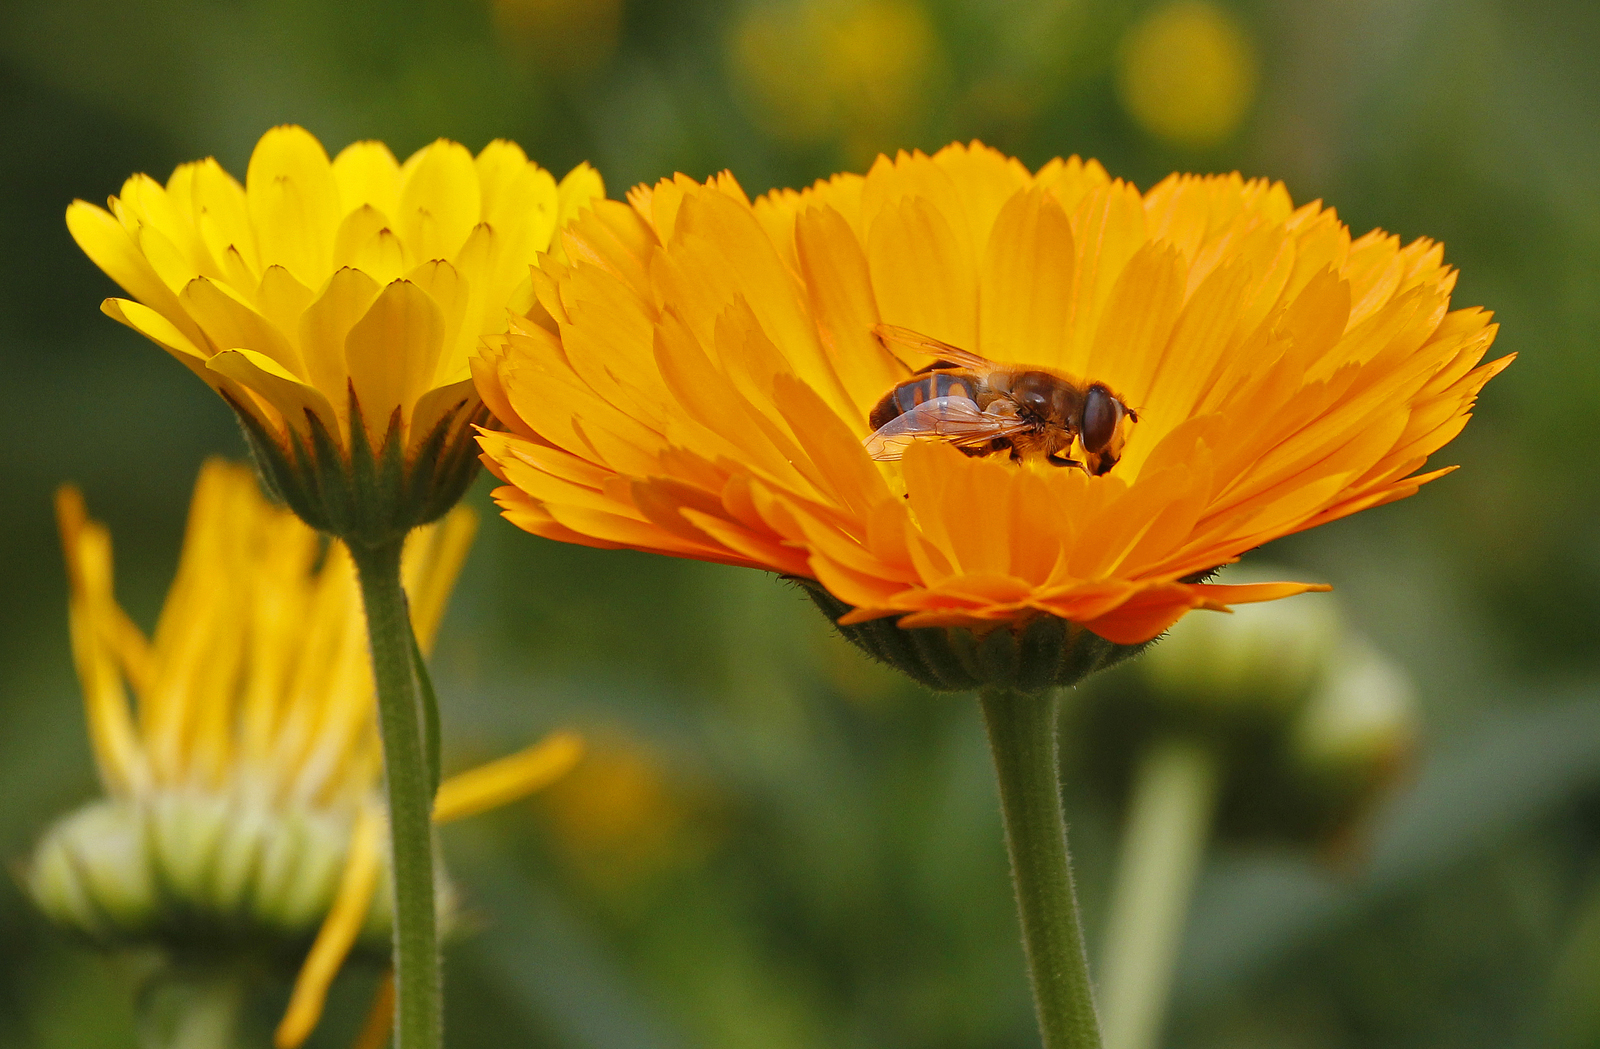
[1101, 414]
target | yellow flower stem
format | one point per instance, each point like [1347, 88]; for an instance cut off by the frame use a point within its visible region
[194, 1006]
[418, 1010]
[1164, 839]
[1022, 740]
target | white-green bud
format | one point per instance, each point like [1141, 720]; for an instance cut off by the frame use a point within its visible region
[1363, 715]
[183, 867]
[1270, 655]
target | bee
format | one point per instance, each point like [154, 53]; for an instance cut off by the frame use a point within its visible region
[984, 408]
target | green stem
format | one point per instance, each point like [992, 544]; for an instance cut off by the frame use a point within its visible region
[418, 1023]
[1169, 820]
[1022, 739]
[193, 1007]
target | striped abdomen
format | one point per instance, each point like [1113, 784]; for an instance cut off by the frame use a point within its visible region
[915, 391]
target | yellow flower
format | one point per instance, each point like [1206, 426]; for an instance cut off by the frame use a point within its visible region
[334, 304]
[698, 383]
[1187, 72]
[243, 799]
[851, 69]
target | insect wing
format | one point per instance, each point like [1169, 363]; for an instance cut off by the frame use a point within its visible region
[934, 347]
[955, 420]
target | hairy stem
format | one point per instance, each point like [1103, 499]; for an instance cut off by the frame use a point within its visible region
[418, 1010]
[1022, 739]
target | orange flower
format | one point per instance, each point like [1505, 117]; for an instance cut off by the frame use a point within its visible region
[697, 380]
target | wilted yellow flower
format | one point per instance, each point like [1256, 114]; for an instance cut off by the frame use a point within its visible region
[1187, 73]
[334, 303]
[243, 799]
[700, 385]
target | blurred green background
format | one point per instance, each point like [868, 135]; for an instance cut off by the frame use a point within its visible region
[776, 844]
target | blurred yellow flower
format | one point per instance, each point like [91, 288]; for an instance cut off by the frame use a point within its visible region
[623, 816]
[322, 292]
[817, 70]
[243, 798]
[1285, 374]
[1187, 73]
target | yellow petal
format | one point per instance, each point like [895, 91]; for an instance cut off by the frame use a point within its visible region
[840, 289]
[460, 397]
[439, 201]
[337, 935]
[159, 330]
[367, 176]
[391, 353]
[506, 779]
[93, 614]
[444, 284]
[433, 560]
[519, 199]
[579, 188]
[231, 323]
[924, 277]
[292, 398]
[365, 242]
[223, 213]
[109, 246]
[294, 203]
[325, 325]
[1108, 227]
[281, 300]
[1022, 308]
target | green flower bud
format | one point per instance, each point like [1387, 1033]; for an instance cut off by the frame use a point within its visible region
[1272, 655]
[93, 873]
[1306, 721]
[185, 868]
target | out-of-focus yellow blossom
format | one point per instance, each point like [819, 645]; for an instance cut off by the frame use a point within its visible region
[621, 816]
[1187, 73]
[333, 303]
[243, 810]
[852, 70]
[565, 36]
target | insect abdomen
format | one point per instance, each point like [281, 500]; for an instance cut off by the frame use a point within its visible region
[915, 391]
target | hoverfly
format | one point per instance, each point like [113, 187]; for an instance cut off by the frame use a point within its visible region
[983, 408]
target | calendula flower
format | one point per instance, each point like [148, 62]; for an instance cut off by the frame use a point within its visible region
[334, 304]
[243, 813]
[699, 375]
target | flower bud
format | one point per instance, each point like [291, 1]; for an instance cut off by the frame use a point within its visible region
[1271, 655]
[92, 873]
[1307, 721]
[185, 867]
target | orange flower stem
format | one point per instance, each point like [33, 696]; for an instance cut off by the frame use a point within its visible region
[1022, 739]
[418, 1007]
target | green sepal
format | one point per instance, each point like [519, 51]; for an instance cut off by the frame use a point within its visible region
[1032, 657]
[370, 496]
